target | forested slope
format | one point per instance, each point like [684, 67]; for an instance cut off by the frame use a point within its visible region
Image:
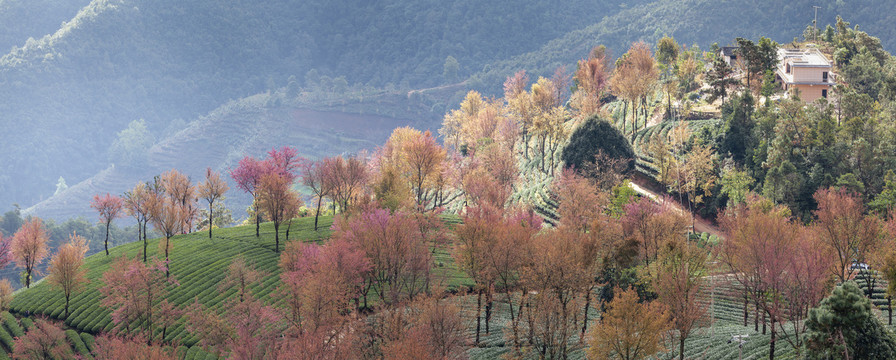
[700, 22]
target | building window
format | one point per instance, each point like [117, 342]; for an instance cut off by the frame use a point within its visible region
[824, 92]
[787, 68]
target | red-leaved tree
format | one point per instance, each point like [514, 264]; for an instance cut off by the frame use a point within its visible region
[109, 207]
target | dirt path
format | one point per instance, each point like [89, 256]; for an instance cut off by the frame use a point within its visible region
[438, 88]
[641, 186]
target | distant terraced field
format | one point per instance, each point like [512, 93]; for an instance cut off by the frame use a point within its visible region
[219, 140]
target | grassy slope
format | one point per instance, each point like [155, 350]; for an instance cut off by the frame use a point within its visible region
[197, 264]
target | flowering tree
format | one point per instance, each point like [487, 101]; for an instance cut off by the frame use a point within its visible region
[135, 348]
[314, 178]
[109, 207]
[846, 230]
[247, 176]
[285, 162]
[43, 341]
[249, 329]
[135, 292]
[678, 279]
[400, 260]
[240, 275]
[212, 189]
[138, 203]
[346, 179]
[67, 270]
[29, 247]
[276, 199]
[168, 218]
[319, 283]
[182, 194]
[764, 250]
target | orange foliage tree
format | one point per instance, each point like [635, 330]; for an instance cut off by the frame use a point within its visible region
[182, 193]
[591, 78]
[629, 329]
[67, 270]
[433, 330]
[168, 218]
[29, 247]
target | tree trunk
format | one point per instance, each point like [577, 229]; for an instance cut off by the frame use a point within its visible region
[763, 322]
[624, 113]
[756, 315]
[889, 310]
[144, 241]
[67, 297]
[288, 226]
[210, 218]
[167, 262]
[478, 316]
[746, 312]
[681, 348]
[106, 243]
[276, 237]
[317, 212]
[585, 318]
[257, 217]
[515, 320]
[488, 311]
[771, 344]
[526, 144]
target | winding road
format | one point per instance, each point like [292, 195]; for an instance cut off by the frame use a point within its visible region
[646, 188]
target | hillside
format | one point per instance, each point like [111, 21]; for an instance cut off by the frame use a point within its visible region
[220, 139]
[692, 22]
[168, 61]
[24, 19]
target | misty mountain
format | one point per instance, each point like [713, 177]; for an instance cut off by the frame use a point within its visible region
[67, 95]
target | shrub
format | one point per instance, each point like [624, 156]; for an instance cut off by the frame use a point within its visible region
[597, 135]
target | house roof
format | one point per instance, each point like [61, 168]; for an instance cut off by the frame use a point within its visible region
[803, 58]
[728, 50]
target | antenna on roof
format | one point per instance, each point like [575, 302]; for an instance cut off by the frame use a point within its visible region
[815, 24]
